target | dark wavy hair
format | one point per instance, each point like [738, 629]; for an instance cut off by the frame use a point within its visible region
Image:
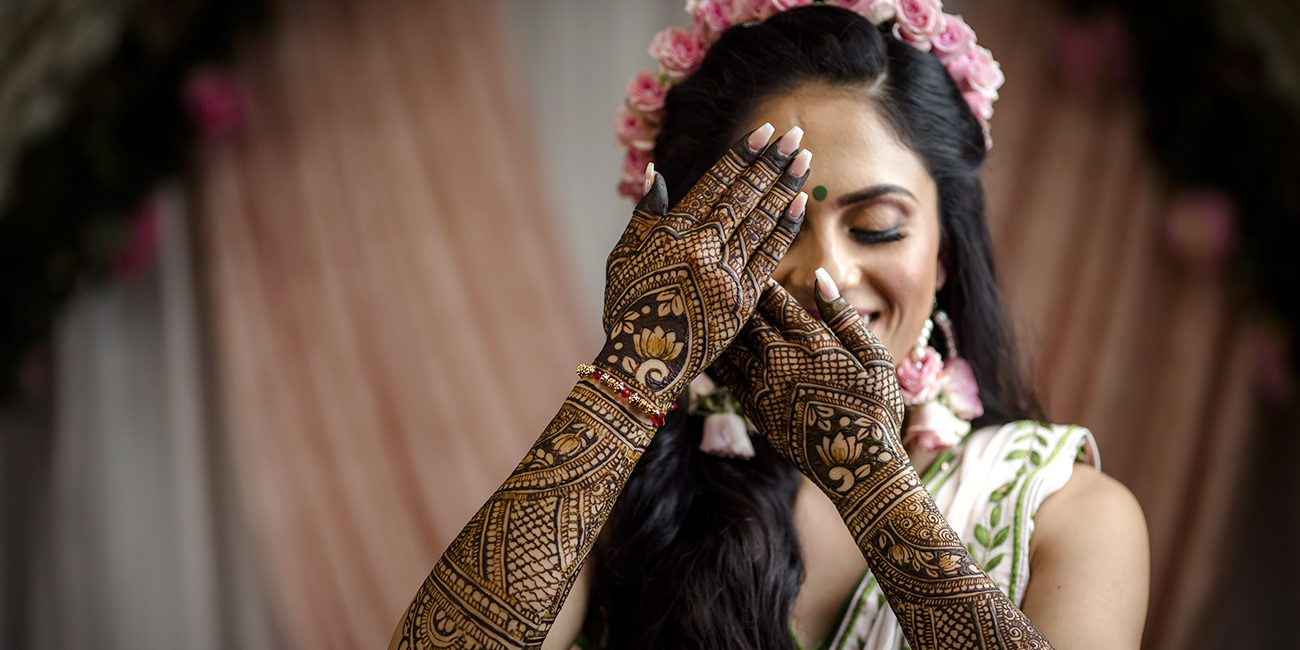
[701, 551]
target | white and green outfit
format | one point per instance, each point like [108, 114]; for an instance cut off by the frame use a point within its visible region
[988, 487]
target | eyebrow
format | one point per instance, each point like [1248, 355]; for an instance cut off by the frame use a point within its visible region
[871, 193]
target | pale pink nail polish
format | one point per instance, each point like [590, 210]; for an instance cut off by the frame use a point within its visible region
[825, 285]
[649, 177]
[798, 205]
[758, 139]
[790, 141]
[801, 163]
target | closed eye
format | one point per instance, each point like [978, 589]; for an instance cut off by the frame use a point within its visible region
[869, 237]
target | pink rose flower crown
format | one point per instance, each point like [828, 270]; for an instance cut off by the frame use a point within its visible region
[679, 50]
[940, 395]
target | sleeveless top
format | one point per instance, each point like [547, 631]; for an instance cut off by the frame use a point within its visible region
[989, 487]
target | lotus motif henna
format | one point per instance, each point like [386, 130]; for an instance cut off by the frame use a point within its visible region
[827, 399]
[681, 282]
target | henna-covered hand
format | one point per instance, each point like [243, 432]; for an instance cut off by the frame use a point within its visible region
[827, 398]
[680, 283]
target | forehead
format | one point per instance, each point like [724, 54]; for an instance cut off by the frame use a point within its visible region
[852, 143]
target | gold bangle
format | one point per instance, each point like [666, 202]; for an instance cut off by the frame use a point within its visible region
[588, 371]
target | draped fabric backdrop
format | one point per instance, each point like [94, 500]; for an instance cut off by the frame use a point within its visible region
[395, 318]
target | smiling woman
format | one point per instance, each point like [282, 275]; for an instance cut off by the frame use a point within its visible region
[829, 321]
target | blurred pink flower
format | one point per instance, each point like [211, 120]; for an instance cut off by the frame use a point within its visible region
[631, 189]
[980, 105]
[960, 389]
[634, 164]
[932, 427]
[916, 21]
[956, 39]
[1200, 228]
[713, 17]
[726, 434]
[919, 378]
[679, 50]
[877, 11]
[645, 92]
[214, 103]
[633, 130]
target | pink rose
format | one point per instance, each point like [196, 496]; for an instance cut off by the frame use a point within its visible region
[919, 378]
[980, 105]
[725, 434]
[956, 38]
[931, 427]
[877, 11]
[976, 70]
[712, 17]
[960, 389]
[634, 164]
[679, 50]
[917, 21]
[633, 130]
[645, 92]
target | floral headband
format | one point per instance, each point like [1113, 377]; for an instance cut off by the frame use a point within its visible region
[920, 23]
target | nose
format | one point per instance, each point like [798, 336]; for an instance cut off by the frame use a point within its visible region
[814, 250]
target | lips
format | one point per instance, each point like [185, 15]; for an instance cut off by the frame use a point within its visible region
[871, 317]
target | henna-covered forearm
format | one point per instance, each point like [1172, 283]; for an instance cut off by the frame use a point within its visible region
[502, 581]
[940, 595]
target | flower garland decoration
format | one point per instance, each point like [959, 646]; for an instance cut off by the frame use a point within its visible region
[679, 50]
[940, 395]
[726, 429]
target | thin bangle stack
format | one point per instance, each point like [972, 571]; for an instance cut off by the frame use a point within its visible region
[588, 371]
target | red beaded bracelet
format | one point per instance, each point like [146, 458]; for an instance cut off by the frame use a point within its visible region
[588, 371]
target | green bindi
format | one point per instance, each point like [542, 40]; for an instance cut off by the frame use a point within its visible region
[819, 192]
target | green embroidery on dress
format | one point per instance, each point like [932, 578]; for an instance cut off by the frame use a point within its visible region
[1019, 524]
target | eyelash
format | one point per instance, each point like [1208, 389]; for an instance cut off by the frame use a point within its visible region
[869, 237]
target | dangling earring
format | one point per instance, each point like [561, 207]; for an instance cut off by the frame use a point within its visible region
[940, 396]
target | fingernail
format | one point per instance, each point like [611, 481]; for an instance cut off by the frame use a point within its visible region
[797, 206]
[649, 177]
[790, 141]
[825, 285]
[801, 162]
[758, 139]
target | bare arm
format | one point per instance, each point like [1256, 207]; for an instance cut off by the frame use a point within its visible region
[1089, 565]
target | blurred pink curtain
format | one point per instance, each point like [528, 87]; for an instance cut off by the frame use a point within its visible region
[392, 311]
[394, 319]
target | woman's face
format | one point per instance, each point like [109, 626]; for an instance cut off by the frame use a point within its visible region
[877, 230]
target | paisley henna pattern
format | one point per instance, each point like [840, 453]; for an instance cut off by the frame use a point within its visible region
[501, 582]
[681, 282]
[827, 398]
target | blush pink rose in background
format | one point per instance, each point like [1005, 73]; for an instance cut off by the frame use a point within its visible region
[877, 11]
[931, 427]
[960, 389]
[679, 50]
[956, 38]
[633, 130]
[919, 378]
[726, 434]
[917, 21]
[786, 5]
[645, 92]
